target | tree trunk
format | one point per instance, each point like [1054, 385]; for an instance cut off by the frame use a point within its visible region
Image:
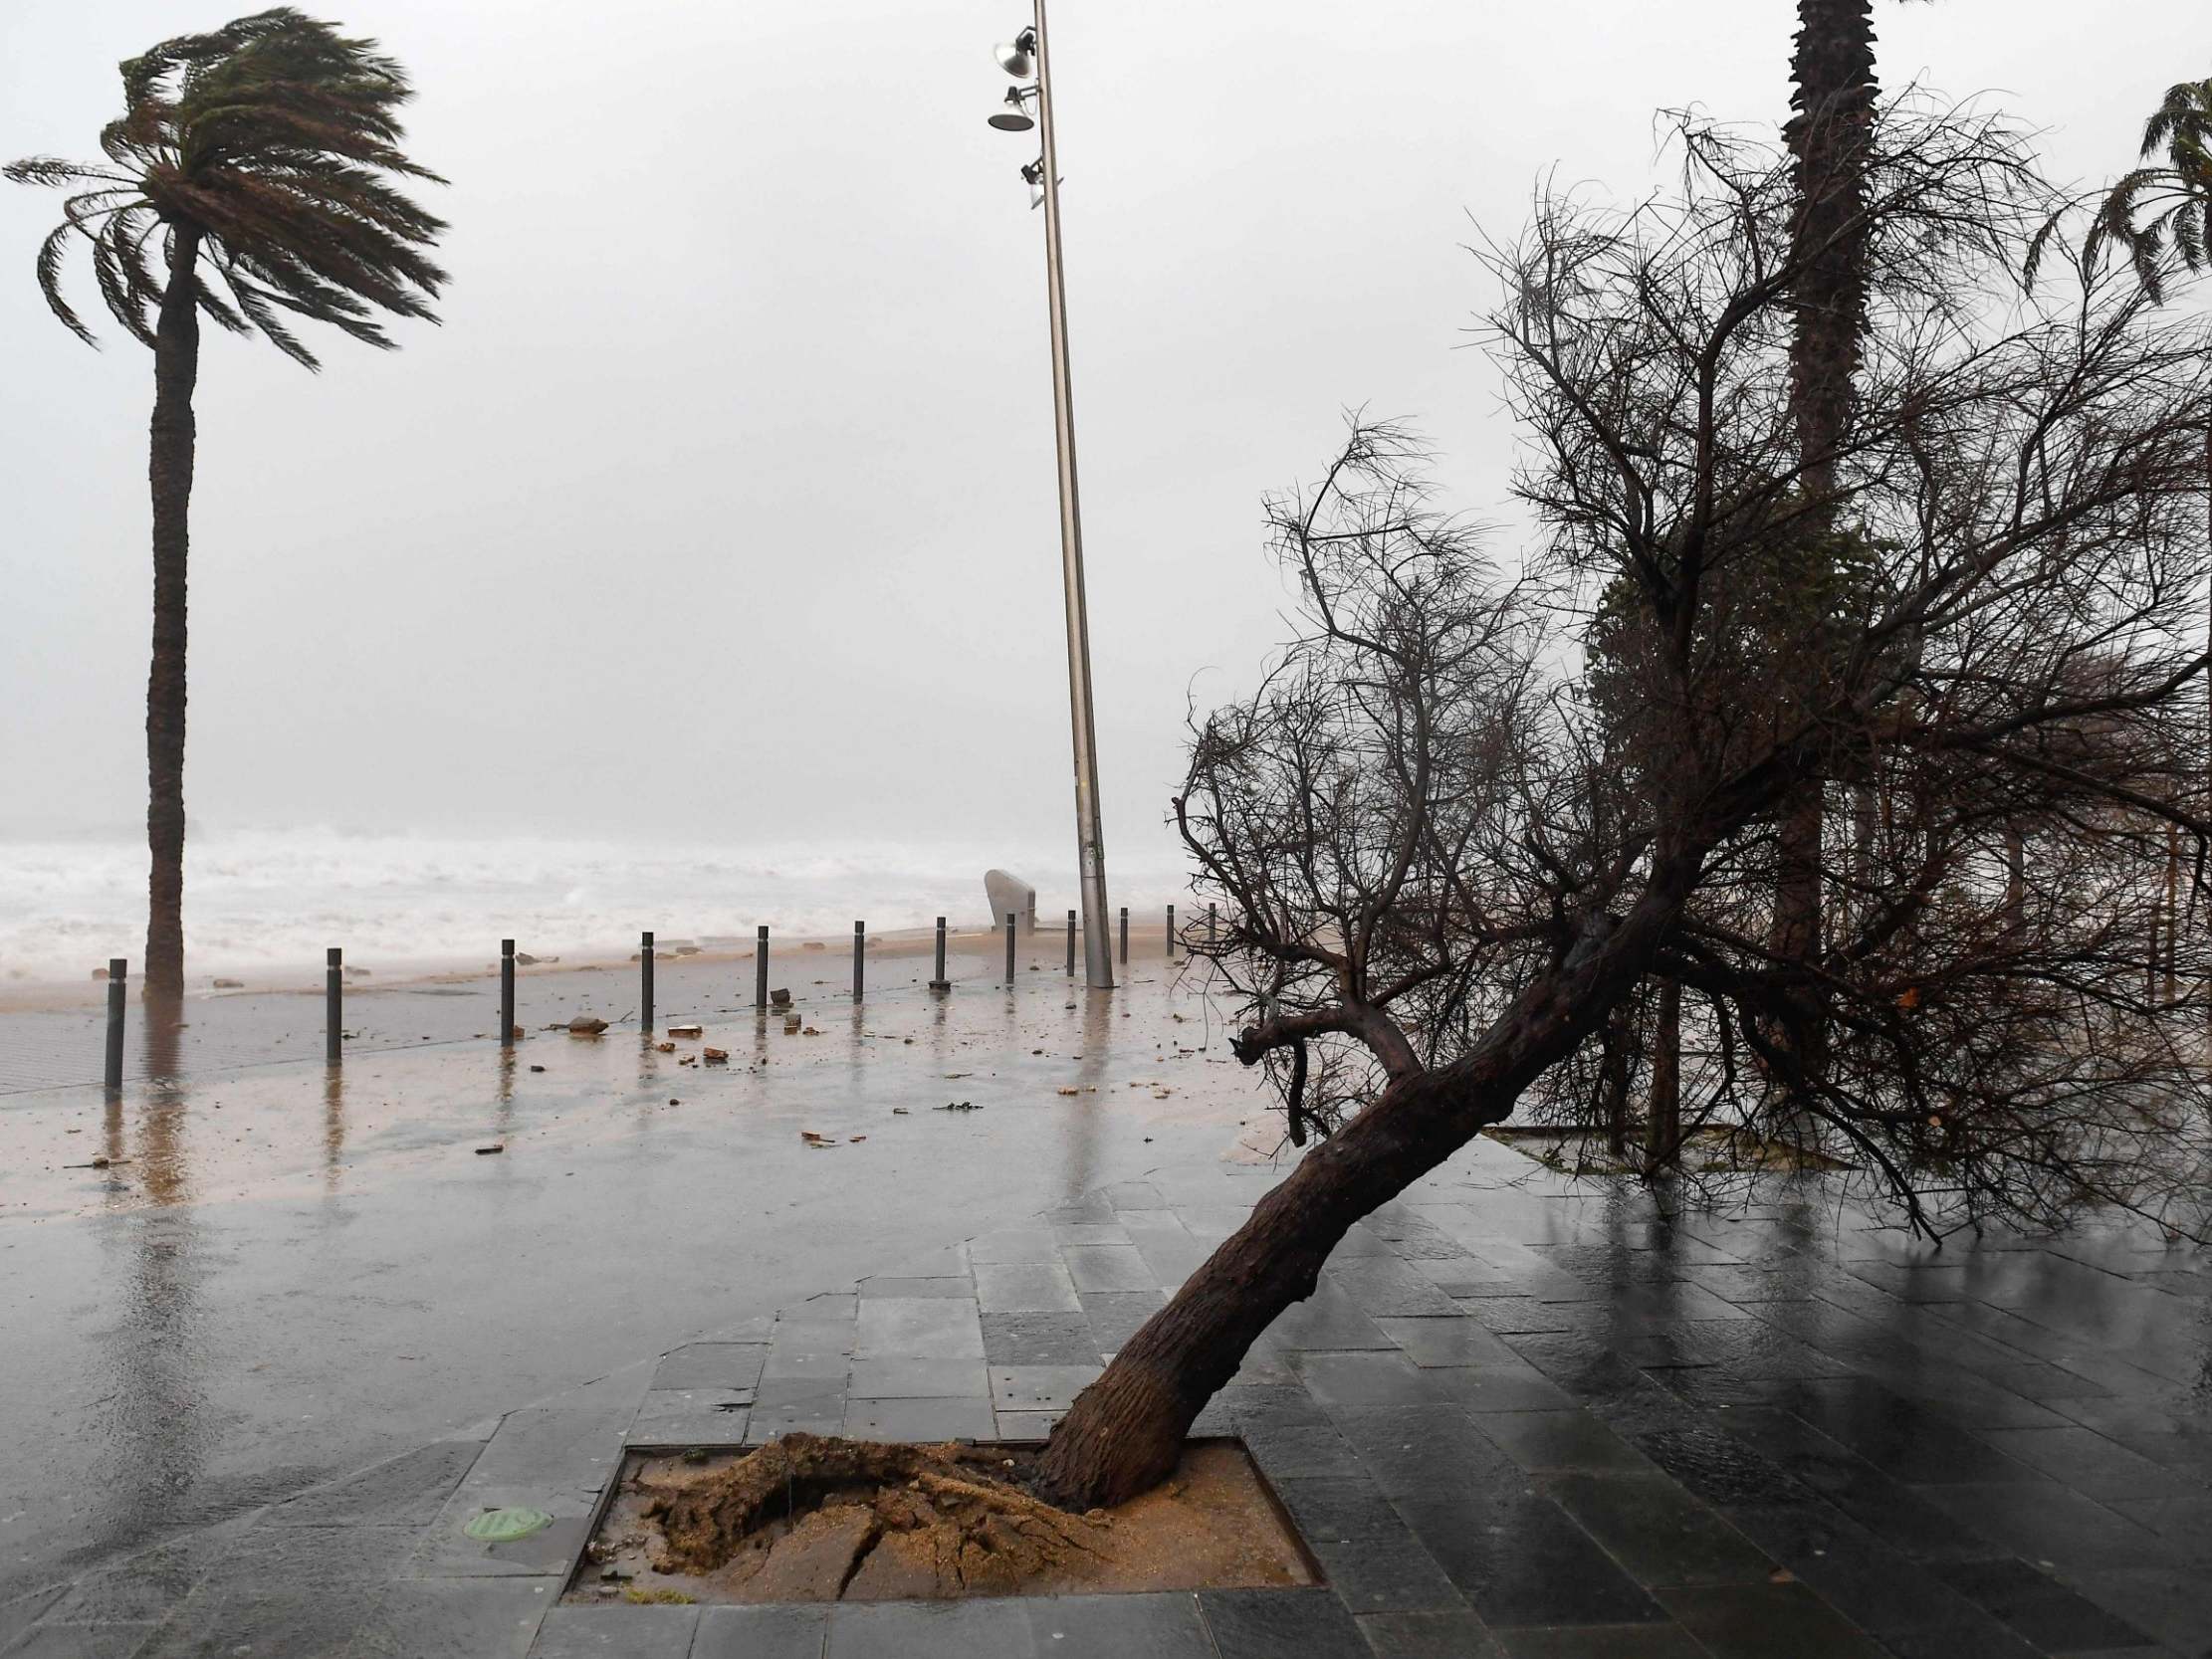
[1663, 1130]
[176, 363]
[1833, 72]
[1124, 1432]
[1614, 1088]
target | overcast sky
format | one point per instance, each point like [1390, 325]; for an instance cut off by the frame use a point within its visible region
[722, 505]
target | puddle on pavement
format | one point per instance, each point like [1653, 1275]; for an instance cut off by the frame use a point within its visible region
[931, 1523]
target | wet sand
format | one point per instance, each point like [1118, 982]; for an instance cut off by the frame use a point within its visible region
[283, 1275]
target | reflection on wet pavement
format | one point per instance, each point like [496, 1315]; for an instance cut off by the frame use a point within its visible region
[288, 1271]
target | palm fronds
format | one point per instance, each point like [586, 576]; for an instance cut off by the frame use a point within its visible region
[262, 155]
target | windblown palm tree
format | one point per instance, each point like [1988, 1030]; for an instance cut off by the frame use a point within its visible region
[250, 164]
[2169, 206]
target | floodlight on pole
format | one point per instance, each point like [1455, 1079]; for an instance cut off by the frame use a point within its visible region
[1030, 52]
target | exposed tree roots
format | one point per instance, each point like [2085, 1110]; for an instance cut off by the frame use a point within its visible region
[813, 1519]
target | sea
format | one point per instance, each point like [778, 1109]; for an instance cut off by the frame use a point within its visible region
[268, 903]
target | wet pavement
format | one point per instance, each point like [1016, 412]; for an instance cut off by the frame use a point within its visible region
[1519, 1417]
[284, 1275]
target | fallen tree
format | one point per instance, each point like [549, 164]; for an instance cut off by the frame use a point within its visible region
[1465, 818]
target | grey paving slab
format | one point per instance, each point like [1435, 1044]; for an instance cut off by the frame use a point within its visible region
[1041, 1338]
[630, 1632]
[1281, 1624]
[1115, 1314]
[1602, 1641]
[1039, 1387]
[1108, 1267]
[918, 1328]
[760, 1633]
[83, 1641]
[995, 1629]
[1522, 1560]
[1014, 1244]
[1368, 1555]
[1118, 1627]
[1454, 1635]
[711, 1365]
[920, 1419]
[1655, 1529]
[939, 1287]
[912, 1379]
[1025, 1288]
[2051, 1616]
[1756, 1621]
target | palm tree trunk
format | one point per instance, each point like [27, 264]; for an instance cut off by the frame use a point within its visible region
[1662, 1130]
[1832, 70]
[176, 366]
[1125, 1431]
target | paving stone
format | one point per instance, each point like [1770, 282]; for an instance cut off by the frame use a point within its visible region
[1370, 1556]
[1456, 1635]
[920, 1328]
[1014, 1244]
[701, 1429]
[1025, 1288]
[630, 1632]
[2045, 1611]
[1281, 1624]
[1115, 1315]
[2090, 1462]
[1040, 1339]
[431, 1620]
[936, 1288]
[1602, 1641]
[920, 1420]
[19, 1612]
[1384, 1377]
[1452, 1341]
[1426, 1451]
[409, 1488]
[1108, 1267]
[1655, 1529]
[1905, 1520]
[1328, 1320]
[1029, 1425]
[1861, 1575]
[1522, 1560]
[1091, 1232]
[562, 1450]
[82, 1641]
[1039, 1387]
[1757, 1621]
[1545, 1440]
[1389, 1285]
[711, 1365]
[2174, 1608]
[1166, 1626]
[2050, 1523]
[760, 1633]
[981, 1629]
[917, 1379]
[1286, 1454]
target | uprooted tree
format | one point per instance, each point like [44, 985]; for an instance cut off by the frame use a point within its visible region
[1465, 818]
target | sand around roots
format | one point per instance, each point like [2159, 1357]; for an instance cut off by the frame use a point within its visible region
[808, 1518]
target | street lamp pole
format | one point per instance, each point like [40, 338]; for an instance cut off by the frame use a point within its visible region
[1090, 840]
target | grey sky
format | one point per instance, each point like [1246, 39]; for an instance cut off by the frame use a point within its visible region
[722, 505]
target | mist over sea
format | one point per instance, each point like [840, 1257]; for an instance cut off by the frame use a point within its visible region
[270, 902]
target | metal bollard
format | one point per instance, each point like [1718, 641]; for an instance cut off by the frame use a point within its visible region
[760, 969]
[119, 973]
[506, 993]
[1071, 942]
[941, 983]
[645, 984]
[334, 1007]
[1210, 924]
[1009, 947]
[1171, 932]
[859, 955]
[1125, 933]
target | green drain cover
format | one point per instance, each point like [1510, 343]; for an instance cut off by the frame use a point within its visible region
[506, 1525]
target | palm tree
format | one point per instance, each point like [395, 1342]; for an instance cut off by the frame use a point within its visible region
[1833, 92]
[2176, 196]
[253, 161]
